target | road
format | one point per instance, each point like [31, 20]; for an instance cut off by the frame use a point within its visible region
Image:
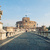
[26, 41]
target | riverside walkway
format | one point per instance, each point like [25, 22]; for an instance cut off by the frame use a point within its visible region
[25, 41]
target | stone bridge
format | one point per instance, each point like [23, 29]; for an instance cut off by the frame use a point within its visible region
[9, 34]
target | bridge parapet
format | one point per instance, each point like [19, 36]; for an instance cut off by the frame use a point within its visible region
[9, 34]
[43, 33]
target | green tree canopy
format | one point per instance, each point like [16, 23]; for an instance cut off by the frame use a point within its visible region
[49, 28]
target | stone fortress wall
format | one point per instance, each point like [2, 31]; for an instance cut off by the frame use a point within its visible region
[26, 23]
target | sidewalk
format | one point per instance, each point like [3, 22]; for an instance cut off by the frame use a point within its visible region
[8, 38]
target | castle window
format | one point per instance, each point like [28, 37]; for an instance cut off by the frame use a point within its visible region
[25, 20]
[34, 25]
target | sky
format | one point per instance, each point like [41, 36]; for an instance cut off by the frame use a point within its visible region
[15, 10]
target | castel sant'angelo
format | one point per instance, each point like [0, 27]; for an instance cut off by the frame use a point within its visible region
[26, 23]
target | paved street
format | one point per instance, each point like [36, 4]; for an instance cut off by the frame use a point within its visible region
[26, 41]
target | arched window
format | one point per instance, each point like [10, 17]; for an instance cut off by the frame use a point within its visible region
[34, 25]
[25, 20]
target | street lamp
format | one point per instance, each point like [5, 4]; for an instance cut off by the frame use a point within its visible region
[37, 24]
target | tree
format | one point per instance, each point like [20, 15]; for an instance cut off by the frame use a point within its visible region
[49, 28]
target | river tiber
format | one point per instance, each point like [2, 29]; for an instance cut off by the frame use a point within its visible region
[27, 35]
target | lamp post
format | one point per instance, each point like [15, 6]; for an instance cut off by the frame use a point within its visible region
[37, 29]
[37, 24]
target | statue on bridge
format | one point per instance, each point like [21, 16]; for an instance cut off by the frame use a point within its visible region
[1, 12]
[2, 31]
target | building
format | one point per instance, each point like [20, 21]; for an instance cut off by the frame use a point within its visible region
[26, 23]
[43, 28]
[10, 29]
